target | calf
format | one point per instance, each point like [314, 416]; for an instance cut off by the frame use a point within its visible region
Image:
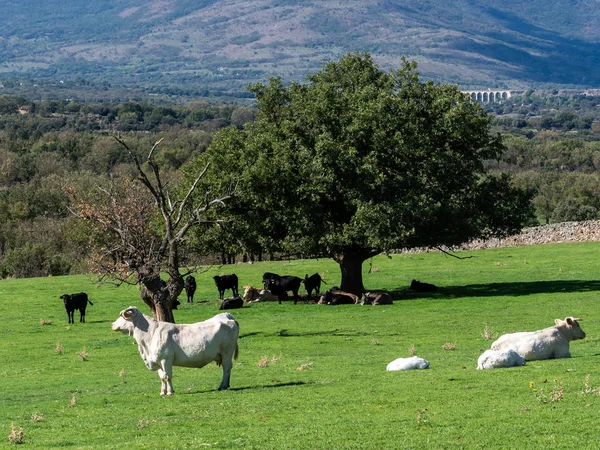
[417, 286]
[493, 359]
[549, 343]
[163, 345]
[225, 282]
[280, 285]
[312, 283]
[376, 298]
[414, 362]
[76, 301]
[190, 288]
[232, 303]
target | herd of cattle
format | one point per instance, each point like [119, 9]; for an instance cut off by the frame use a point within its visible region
[276, 288]
[163, 345]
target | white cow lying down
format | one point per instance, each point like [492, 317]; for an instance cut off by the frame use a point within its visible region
[413, 362]
[549, 343]
[492, 359]
[163, 345]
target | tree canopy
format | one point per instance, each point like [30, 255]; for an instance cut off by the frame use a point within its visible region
[357, 161]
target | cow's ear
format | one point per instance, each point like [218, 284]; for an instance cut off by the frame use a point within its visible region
[558, 321]
[128, 313]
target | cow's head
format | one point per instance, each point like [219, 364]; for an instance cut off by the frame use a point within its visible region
[124, 322]
[571, 328]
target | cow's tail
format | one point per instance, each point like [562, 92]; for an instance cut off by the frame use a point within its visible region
[236, 353]
[90, 302]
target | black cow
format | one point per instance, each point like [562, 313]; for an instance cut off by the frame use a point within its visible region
[227, 282]
[76, 301]
[232, 303]
[267, 277]
[190, 288]
[417, 286]
[313, 283]
[280, 285]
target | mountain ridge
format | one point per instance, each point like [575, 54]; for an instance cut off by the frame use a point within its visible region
[224, 45]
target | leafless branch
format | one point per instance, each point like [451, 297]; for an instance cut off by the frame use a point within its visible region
[453, 255]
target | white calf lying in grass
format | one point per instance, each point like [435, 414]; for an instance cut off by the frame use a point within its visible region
[493, 359]
[549, 343]
[411, 363]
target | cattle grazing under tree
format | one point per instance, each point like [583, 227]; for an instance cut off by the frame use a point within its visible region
[313, 283]
[225, 282]
[280, 285]
[549, 343]
[190, 288]
[76, 301]
[163, 345]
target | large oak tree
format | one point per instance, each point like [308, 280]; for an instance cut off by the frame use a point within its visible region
[358, 161]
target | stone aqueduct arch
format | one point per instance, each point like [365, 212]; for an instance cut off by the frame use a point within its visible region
[489, 96]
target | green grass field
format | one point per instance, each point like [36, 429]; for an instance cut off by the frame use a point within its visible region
[323, 383]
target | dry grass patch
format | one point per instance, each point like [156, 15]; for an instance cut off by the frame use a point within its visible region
[412, 350]
[488, 333]
[449, 345]
[305, 366]
[45, 322]
[58, 349]
[37, 417]
[83, 355]
[15, 437]
[263, 362]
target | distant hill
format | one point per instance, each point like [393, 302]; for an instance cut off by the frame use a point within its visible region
[223, 45]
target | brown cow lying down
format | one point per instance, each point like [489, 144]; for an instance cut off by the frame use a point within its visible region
[376, 298]
[163, 345]
[336, 296]
[258, 295]
[549, 343]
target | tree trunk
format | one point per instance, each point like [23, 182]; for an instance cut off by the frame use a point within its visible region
[351, 267]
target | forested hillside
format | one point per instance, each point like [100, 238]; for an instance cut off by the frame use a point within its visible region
[553, 147]
[217, 47]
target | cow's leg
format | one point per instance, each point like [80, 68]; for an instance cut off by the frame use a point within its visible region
[163, 384]
[166, 375]
[71, 315]
[227, 365]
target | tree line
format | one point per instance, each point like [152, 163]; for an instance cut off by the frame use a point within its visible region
[48, 145]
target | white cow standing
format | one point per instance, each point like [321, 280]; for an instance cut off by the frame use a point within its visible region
[163, 345]
[549, 343]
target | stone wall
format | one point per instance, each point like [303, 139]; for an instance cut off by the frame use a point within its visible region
[586, 231]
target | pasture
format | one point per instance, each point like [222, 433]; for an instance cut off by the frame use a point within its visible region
[312, 376]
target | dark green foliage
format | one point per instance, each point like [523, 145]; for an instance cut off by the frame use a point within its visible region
[358, 161]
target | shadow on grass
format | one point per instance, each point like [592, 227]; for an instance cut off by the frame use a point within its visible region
[296, 333]
[245, 388]
[501, 289]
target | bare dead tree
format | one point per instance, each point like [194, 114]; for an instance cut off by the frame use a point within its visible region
[140, 230]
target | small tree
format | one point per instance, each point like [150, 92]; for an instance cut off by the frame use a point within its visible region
[139, 230]
[358, 161]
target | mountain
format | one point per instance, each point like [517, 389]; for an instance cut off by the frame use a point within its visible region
[223, 45]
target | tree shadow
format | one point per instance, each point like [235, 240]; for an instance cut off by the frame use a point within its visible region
[513, 289]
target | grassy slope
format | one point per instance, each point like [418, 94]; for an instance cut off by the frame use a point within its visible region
[344, 398]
